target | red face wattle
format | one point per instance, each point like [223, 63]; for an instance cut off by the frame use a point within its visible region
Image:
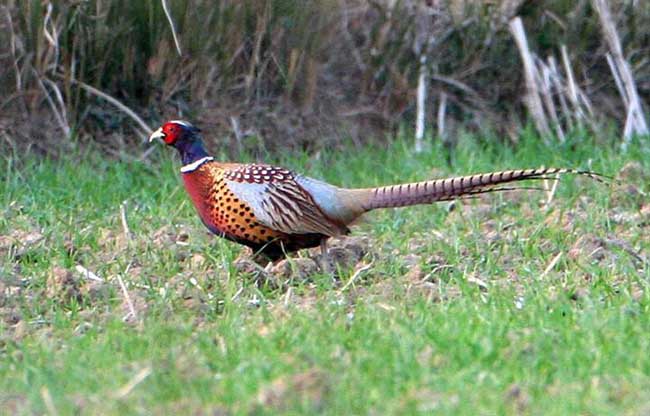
[172, 132]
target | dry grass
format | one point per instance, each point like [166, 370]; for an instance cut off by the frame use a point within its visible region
[271, 74]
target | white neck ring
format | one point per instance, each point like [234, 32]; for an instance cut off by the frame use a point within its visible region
[191, 167]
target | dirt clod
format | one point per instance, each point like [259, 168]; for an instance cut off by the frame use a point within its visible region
[63, 285]
[19, 242]
[197, 261]
[246, 265]
[10, 316]
[134, 307]
[342, 253]
[517, 396]
[95, 291]
[300, 269]
[632, 172]
[307, 387]
[336, 257]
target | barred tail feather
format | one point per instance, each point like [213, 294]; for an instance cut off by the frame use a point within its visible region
[453, 188]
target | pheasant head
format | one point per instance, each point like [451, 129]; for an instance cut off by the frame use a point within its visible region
[184, 137]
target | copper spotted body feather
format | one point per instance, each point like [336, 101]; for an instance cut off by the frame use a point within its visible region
[276, 211]
[231, 209]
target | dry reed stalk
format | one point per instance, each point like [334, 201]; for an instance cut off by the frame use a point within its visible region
[425, 35]
[421, 105]
[532, 99]
[12, 43]
[173, 28]
[310, 85]
[548, 88]
[442, 112]
[547, 80]
[580, 103]
[635, 122]
[59, 113]
[51, 35]
[560, 89]
[345, 24]
[572, 89]
[260, 33]
[146, 129]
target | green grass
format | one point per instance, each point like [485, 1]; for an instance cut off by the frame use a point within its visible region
[485, 327]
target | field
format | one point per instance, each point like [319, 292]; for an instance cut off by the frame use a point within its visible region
[532, 302]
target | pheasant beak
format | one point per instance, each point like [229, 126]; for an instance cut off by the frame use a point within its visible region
[158, 134]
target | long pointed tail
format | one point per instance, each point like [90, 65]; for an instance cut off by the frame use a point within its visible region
[452, 188]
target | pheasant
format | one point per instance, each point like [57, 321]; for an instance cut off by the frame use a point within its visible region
[276, 211]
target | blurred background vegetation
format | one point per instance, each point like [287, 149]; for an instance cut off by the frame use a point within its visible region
[275, 74]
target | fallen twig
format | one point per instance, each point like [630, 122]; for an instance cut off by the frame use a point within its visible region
[287, 297]
[236, 295]
[478, 282]
[623, 245]
[356, 275]
[550, 193]
[128, 387]
[551, 265]
[87, 273]
[125, 224]
[127, 298]
[47, 400]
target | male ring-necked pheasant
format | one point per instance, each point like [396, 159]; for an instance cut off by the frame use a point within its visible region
[276, 211]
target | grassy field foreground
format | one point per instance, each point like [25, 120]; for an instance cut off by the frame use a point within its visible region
[528, 302]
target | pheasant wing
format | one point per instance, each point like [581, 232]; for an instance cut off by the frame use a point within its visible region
[279, 201]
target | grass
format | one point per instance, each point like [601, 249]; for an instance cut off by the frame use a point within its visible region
[460, 312]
